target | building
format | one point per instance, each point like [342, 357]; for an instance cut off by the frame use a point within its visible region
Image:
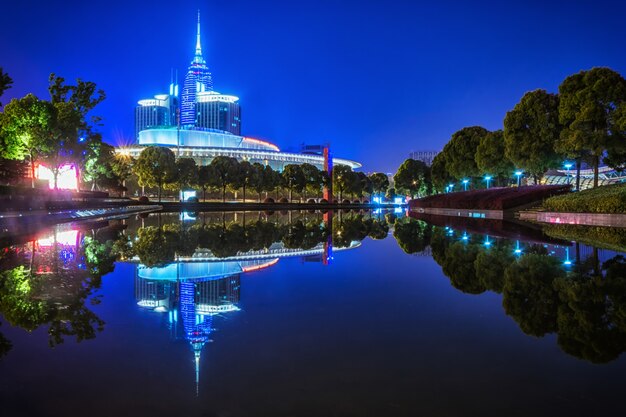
[424, 156]
[218, 111]
[159, 111]
[205, 124]
[197, 80]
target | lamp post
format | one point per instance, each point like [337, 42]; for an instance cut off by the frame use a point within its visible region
[465, 185]
[488, 179]
[518, 174]
[567, 166]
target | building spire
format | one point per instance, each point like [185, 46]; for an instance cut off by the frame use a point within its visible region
[198, 46]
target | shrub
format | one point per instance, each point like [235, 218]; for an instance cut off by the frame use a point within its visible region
[283, 200]
[324, 201]
[268, 200]
[193, 200]
[345, 202]
[144, 199]
[604, 199]
[311, 201]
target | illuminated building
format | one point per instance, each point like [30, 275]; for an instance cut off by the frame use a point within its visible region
[218, 111]
[159, 111]
[209, 125]
[197, 80]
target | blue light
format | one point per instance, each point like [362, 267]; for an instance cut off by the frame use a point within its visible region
[398, 200]
[377, 200]
[397, 210]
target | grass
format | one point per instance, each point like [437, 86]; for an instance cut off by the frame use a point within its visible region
[605, 199]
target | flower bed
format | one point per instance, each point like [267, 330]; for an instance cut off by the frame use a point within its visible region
[491, 199]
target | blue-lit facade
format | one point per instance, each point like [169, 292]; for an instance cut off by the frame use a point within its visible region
[202, 124]
[197, 80]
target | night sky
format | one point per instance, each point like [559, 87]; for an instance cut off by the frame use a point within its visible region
[376, 79]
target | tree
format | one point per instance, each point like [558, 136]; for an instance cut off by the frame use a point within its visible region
[155, 166]
[343, 179]
[246, 176]
[413, 177]
[588, 110]
[312, 178]
[186, 174]
[363, 185]
[294, 179]
[460, 152]
[12, 170]
[531, 131]
[380, 183]
[490, 156]
[99, 163]
[73, 129]
[257, 182]
[226, 171]
[5, 82]
[207, 179]
[122, 166]
[25, 126]
[439, 173]
[413, 236]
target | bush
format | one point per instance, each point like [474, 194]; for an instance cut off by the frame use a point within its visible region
[335, 201]
[357, 201]
[324, 201]
[604, 199]
[193, 200]
[311, 201]
[612, 238]
[144, 199]
[283, 200]
[268, 200]
[345, 202]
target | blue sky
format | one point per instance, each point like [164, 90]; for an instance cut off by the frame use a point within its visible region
[376, 79]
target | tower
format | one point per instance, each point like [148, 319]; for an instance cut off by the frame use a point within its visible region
[197, 80]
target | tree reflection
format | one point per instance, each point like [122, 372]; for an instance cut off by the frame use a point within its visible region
[412, 235]
[50, 281]
[584, 305]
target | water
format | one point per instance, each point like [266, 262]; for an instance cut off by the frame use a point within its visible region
[222, 314]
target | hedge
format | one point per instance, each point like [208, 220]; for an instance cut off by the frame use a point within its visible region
[604, 199]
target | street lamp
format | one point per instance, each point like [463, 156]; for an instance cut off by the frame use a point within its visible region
[488, 179]
[519, 174]
[465, 185]
[567, 166]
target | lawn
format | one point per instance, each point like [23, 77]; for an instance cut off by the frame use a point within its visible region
[604, 199]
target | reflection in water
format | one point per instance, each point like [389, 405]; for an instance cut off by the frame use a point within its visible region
[188, 267]
[581, 298]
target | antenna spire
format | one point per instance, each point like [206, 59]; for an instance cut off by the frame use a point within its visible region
[198, 46]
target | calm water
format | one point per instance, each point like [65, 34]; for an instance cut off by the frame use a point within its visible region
[316, 315]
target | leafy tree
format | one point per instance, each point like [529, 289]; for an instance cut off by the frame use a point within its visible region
[294, 179]
[122, 166]
[73, 129]
[155, 166]
[588, 110]
[226, 171]
[363, 185]
[458, 265]
[343, 179]
[380, 183]
[5, 82]
[207, 179]
[257, 180]
[246, 176]
[312, 178]
[490, 265]
[25, 126]
[99, 163]
[413, 177]
[531, 131]
[186, 174]
[460, 152]
[155, 246]
[491, 157]
[439, 173]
